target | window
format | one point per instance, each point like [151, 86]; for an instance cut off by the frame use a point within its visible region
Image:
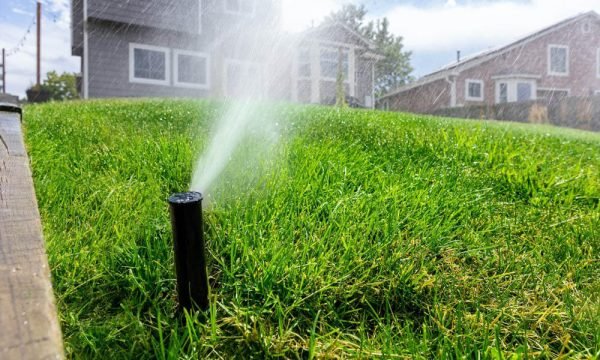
[585, 28]
[243, 79]
[558, 60]
[240, 7]
[148, 64]
[552, 96]
[329, 63]
[524, 91]
[474, 90]
[503, 93]
[304, 70]
[191, 69]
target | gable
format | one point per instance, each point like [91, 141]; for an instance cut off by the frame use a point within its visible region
[337, 33]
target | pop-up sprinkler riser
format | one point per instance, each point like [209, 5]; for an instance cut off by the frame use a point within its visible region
[188, 242]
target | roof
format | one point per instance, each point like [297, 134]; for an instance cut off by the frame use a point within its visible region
[367, 43]
[332, 24]
[477, 58]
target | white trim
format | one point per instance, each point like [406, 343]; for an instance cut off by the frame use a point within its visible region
[497, 100]
[373, 100]
[240, 13]
[85, 60]
[471, 98]
[166, 51]
[176, 81]
[261, 91]
[514, 76]
[452, 83]
[352, 73]
[295, 74]
[598, 63]
[315, 83]
[554, 73]
[512, 88]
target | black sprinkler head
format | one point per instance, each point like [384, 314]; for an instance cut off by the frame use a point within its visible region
[188, 242]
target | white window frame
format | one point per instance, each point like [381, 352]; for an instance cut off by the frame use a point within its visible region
[350, 65]
[554, 73]
[261, 91]
[498, 83]
[240, 13]
[532, 89]
[512, 84]
[165, 50]
[176, 81]
[309, 63]
[471, 98]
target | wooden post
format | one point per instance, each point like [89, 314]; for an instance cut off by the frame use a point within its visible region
[39, 42]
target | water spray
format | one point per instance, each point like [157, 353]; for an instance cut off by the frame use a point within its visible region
[188, 241]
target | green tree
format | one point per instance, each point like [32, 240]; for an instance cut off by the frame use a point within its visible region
[61, 87]
[394, 69]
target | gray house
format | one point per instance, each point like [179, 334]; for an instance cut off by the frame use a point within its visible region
[214, 48]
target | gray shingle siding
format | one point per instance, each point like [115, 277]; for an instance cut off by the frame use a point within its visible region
[76, 27]
[180, 15]
[108, 61]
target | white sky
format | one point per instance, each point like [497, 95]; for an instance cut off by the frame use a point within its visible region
[432, 29]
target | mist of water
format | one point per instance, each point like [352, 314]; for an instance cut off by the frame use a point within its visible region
[246, 120]
[242, 121]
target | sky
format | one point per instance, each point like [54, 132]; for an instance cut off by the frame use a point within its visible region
[433, 30]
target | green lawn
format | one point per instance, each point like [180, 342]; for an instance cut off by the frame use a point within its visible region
[367, 234]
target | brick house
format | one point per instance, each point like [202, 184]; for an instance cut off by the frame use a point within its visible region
[214, 48]
[559, 61]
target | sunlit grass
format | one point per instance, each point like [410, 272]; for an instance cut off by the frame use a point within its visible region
[367, 234]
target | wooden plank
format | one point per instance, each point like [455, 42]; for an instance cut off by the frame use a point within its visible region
[29, 327]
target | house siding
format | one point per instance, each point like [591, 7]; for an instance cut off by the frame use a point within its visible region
[108, 61]
[203, 26]
[360, 79]
[422, 99]
[530, 58]
[180, 15]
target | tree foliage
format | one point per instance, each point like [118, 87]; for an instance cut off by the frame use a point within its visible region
[394, 69]
[61, 87]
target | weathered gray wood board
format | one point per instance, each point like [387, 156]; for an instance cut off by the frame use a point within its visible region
[29, 328]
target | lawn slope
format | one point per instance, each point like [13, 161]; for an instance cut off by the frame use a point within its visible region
[368, 234]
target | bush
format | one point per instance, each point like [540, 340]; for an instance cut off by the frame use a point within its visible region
[55, 87]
